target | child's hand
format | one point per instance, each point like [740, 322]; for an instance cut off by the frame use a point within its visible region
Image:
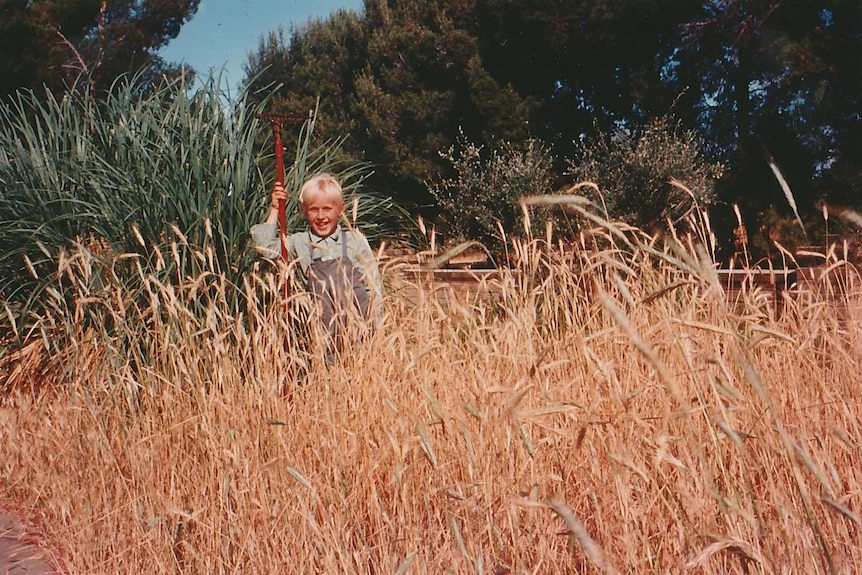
[279, 194]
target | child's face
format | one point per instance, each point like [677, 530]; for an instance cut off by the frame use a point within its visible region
[322, 214]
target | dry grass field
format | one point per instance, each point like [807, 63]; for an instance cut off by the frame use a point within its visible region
[607, 410]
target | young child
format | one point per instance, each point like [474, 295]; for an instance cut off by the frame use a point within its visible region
[337, 265]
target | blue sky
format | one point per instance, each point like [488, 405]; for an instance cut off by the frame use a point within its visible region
[223, 32]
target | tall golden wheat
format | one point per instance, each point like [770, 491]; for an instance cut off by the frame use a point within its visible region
[606, 409]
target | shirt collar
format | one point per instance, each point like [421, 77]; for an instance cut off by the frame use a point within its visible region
[335, 236]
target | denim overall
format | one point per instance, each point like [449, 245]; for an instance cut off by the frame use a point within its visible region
[338, 287]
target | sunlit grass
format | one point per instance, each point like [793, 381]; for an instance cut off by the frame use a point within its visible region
[607, 410]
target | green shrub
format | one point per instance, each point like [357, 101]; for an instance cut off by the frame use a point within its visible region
[634, 170]
[483, 196]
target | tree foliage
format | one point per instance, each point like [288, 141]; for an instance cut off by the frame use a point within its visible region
[401, 80]
[85, 43]
[749, 76]
[783, 80]
[588, 63]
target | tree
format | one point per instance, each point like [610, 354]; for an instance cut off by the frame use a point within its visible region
[402, 80]
[781, 80]
[589, 63]
[754, 78]
[85, 44]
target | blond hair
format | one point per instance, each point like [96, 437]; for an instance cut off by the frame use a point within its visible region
[322, 185]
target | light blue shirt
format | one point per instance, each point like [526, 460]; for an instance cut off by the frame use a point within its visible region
[299, 247]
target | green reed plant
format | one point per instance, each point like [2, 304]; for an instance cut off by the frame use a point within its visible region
[124, 176]
[165, 185]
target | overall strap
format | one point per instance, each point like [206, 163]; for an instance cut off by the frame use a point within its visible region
[310, 247]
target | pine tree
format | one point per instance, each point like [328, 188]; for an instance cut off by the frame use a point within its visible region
[84, 44]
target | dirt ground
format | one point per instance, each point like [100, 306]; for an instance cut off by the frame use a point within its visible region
[19, 555]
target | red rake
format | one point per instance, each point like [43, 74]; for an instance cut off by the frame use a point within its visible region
[277, 120]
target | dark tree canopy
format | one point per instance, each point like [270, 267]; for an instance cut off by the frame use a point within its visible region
[783, 80]
[84, 43]
[752, 77]
[588, 62]
[401, 80]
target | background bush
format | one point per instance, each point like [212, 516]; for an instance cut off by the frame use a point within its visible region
[482, 197]
[633, 169]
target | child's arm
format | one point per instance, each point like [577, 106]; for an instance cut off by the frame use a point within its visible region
[279, 194]
[265, 235]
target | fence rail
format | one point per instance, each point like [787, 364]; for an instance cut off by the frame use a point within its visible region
[416, 282]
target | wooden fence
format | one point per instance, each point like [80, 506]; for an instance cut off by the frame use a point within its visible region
[833, 284]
